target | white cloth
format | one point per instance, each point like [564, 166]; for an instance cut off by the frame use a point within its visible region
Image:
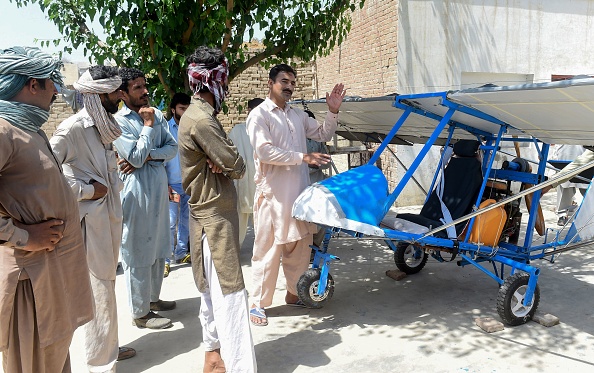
[101, 333]
[246, 187]
[225, 321]
[569, 153]
[108, 128]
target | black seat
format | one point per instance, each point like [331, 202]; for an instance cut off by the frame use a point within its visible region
[462, 182]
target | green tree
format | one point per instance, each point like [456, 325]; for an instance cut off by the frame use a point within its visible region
[157, 35]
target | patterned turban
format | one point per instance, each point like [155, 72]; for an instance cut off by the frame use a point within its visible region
[109, 130]
[215, 79]
[17, 65]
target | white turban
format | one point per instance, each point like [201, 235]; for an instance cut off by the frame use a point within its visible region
[109, 130]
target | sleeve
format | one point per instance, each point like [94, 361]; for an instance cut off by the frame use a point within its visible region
[134, 149]
[263, 143]
[10, 233]
[213, 140]
[586, 157]
[324, 132]
[65, 151]
[168, 147]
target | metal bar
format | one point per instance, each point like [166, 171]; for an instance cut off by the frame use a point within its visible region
[550, 167]
[512, 198]
[390, 135]
[413, 167]
[403, 166]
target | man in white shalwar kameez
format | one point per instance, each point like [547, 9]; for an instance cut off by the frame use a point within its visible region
[83, 145]
[278, 133]
[143, 147]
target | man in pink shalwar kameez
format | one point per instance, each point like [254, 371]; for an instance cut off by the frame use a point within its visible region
[278, 133]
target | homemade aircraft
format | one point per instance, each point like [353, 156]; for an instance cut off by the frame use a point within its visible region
[472, 211]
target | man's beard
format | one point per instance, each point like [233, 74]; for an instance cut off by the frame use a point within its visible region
[177, 117]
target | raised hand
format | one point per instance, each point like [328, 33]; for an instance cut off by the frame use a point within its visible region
[334, 98]
[148, 115]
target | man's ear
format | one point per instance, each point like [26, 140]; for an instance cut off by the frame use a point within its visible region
[270, 83]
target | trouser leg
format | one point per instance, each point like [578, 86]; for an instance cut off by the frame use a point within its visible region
[138, 284]
[295, 261]
[101, 333]
[157, 270]
[173, 214]
[225, 321]
[564, 199]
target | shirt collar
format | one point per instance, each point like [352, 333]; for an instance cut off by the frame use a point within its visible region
[204, 105]
[269, 106]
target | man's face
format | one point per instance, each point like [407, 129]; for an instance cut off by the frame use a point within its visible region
[137, 95]
[282, 88]
[179, 110]
[111, 101]
[47, 95]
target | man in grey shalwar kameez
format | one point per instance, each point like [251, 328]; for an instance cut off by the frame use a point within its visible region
[144, 145]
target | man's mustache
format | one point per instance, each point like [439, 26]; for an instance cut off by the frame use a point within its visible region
[288, 91]
[54, 97]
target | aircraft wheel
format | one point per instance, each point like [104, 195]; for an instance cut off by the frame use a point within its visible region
[409, 258]
[510, 298]
[307, 288]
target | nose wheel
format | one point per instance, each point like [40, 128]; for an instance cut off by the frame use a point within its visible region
[510, 300]
[308, 286]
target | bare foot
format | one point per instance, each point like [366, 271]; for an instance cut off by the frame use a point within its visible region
[291, 298]
[258, 316]
[213, 362]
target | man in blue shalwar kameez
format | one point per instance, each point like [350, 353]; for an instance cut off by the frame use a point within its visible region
[143, 147]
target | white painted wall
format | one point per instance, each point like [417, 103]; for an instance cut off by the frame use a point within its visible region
[443, 45]
[439, 40]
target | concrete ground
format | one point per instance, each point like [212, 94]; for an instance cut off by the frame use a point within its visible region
[424, 323]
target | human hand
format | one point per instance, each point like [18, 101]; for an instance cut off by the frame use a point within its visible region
[125, 166]
[316, 159]
[100, 190]
[213, 167]
[334, 99]
[43, 236]
[148, 116]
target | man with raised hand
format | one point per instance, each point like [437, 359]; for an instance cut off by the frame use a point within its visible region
[44, 277]
[144, 145]
[83, 145]
[278, 132]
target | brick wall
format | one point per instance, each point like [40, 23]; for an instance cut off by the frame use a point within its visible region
[253, 82]
[58, 112]
[366, 60]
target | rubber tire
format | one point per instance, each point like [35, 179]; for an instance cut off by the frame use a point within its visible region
[307, 287]
[508, 293]
[400, 259]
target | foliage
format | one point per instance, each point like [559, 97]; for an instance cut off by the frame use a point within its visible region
[157, 35]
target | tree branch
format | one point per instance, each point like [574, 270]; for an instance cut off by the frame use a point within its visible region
[228, 25]
[159, 67]
[257, 58]
[186, 35]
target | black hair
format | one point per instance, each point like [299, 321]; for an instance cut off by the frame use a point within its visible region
[179, 98]
[128, 74]
[103, 72]
[280, 68]
[210, 57]
[311, 115]
[254, 102]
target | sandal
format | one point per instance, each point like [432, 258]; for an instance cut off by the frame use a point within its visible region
[126, 353]
[260, 314]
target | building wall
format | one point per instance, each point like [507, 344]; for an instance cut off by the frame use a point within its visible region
[438, 41]
[366, 61]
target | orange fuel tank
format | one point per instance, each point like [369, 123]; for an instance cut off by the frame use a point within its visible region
[488, 226]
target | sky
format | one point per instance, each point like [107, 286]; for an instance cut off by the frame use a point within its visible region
[21, 26]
